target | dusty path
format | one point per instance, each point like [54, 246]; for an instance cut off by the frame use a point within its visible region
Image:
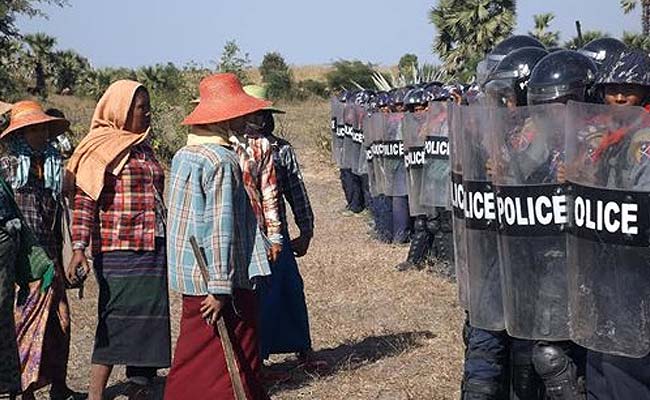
[390, 335]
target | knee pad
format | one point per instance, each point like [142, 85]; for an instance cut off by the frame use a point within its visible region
[420, 223]
[433, 225]
[549, 360]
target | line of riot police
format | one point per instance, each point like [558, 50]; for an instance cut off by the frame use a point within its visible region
[542, 168]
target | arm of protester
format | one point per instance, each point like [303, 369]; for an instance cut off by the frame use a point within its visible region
[296, 193]
[218, 228]
[83, 218]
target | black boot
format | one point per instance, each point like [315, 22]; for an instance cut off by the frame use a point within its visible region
[526, 384]
[420, 244]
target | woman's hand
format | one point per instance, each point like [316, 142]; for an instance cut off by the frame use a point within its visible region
[78, 260]
[211, 306]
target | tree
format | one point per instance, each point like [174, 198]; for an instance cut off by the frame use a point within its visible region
[629, 5]
[467, 30]
[346, 73]
[588, 36]
[233, 60]
[10, 9]
[637, 41]
[407, 63]
[69, 66]
[277, 76]
[41, 57]
[541, 32]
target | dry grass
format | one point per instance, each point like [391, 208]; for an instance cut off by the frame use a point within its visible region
[389, 335]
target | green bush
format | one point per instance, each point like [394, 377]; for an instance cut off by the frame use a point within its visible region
[314, 88]
[346, 73]
[277, 76]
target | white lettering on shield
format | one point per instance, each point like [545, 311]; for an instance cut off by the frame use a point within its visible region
[598, 215]
[530, 211]
[481, 206]
[458, 196]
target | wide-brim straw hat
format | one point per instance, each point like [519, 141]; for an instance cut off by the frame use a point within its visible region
[261, 92]
[221, 99]
[5, 107]
[30, 113]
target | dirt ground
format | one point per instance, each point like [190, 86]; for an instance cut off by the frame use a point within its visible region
[388, 334]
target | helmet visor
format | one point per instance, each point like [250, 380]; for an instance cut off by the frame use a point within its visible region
[555, 94]
[501, 93]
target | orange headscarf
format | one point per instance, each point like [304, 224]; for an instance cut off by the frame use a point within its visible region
[106, 147]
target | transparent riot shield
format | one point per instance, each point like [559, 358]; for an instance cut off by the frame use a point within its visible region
[528, 149]
[458, 203]
[358, 159]
[364, 147]
[349, 123]
[608, 249]
[393, 156]
[414, 158]
[436, 180]
[378, 128]
[485, 295]
[337, 127]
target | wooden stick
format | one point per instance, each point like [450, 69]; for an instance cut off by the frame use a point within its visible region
[222, 329]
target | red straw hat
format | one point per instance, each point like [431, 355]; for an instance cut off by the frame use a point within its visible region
[222, 98]
[28, 113]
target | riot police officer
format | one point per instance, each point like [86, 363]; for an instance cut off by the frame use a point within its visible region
[558, 78]
[612, 278]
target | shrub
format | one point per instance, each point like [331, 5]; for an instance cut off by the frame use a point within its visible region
[346, 73]
[314, 88]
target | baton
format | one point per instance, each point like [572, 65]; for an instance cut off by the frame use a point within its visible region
[231, 361]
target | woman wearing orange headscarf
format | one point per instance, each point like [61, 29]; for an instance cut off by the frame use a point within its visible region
[118, 210]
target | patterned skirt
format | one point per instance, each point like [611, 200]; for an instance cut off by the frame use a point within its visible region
[133, 322]
[10, 365]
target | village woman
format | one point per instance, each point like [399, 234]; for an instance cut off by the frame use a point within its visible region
[33, 167]
[118, 208]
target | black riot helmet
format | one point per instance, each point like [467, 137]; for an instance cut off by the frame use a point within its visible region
[508, 45]
[561, 76]
[363, 97]
[601, 50]
[414, 99]
[509, 79]
[397, 97]
[436, 93]
[628, 68]
[382, 100]
[343, 96]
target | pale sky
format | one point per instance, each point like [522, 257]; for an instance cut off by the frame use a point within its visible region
[143, 32]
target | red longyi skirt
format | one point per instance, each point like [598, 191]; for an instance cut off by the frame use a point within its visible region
[199, 367]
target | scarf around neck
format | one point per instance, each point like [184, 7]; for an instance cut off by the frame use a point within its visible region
[52, 164]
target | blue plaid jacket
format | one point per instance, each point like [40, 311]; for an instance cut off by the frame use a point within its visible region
[207, 199]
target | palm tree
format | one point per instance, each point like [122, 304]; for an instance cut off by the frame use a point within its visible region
[40, 56]
[637, 41]
[468, 29]
[541, 33]
[629, 5]
[69, 66]
[588, 36]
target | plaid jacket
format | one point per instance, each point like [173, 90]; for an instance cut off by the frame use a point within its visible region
[292, 187]
[40, 209]
[258, 171]
[207, 199]
[124, 217]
